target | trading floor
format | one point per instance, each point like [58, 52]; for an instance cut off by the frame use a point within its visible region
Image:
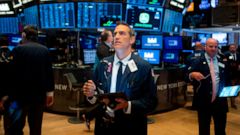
[181, 121]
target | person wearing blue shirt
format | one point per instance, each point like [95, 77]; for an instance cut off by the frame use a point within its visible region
[129, 115]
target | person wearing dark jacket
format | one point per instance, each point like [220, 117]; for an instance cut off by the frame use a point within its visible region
[32, 85]
[233, 58]
[209, 75]
[127, 73]
[104, 49]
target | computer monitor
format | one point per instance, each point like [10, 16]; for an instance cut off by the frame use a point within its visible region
[57, 15]
[9, 25]
[87, 41]
[173, 42]
[145, 18]
[152, 41]
[89, 56]
[172, 21]
[171, 56]
[147, 2]
[95, 15]
[220, 37]
[152, 56]
[31, 16]
[202, 37]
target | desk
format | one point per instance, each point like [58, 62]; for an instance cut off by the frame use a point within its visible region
[171, 88]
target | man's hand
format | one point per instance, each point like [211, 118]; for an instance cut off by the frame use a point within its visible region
[197, 76]
[122, 104]
[89, 88]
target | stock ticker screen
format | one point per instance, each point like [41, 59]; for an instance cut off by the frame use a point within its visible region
[57, 15]
[9, 25]
[147, 2]
[31, 16]
[95, 15]
[142, 17]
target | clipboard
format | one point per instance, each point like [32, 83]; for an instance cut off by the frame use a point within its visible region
[230, 91]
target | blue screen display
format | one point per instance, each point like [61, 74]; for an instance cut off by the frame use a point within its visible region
[31, 16]
[220, 37]
[57, 15]
[144, 17]
[95, 15]
[146, 2]
[173, 42]
[88, 41]
[14, 40]
[152, 56]
[171, 56]
[172, 21]
[152, 42]
[201, 37]
[89, 56]
[9, 25]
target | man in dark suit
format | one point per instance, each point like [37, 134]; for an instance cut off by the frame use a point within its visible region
[32, 85]
[123, 72]
[208, 74]
[233, 58]
[104, 49]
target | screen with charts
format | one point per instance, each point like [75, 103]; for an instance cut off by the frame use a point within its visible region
[152, 42]
[142, 17]
[9, 25]
[147, 2]
[89, 56]
[173, 42]
[57, 15]
[95, 15]
[170, 56]
[152, 56]
[172, 21]
[87, 41]
[31, 16]
[202, 37]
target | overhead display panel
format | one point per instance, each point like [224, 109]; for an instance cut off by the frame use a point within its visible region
[57, 15]
[31, 16]
[142, 17]
[172, 21]
[9, 25]
[147, 2]
[95, 15]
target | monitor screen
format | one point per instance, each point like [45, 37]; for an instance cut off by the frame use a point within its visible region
[9, 25]
[221, 37]
[31, 16]
[57, 15]
[177, 5]
[171, 56]
[14, 40]
[152, 56]
[144, 17]
[89, 56]
[202, 37]
[88, 41]
[147, 2]
[152, 42]
[95, 15]
[172, 21]
[173, 42]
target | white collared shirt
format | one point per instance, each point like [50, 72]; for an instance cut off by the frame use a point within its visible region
[115, 70]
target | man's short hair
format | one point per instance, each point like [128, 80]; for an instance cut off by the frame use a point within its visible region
[31, 32]
[131, 32]
[104, 35]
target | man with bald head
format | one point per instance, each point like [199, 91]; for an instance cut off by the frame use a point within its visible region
[208, 75]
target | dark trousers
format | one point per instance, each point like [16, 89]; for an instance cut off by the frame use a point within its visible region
[34, 114]
[204, 121]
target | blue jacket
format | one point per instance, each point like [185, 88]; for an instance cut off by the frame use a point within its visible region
[139, 88]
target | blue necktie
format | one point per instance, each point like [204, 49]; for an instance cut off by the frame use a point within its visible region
[119, 77]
